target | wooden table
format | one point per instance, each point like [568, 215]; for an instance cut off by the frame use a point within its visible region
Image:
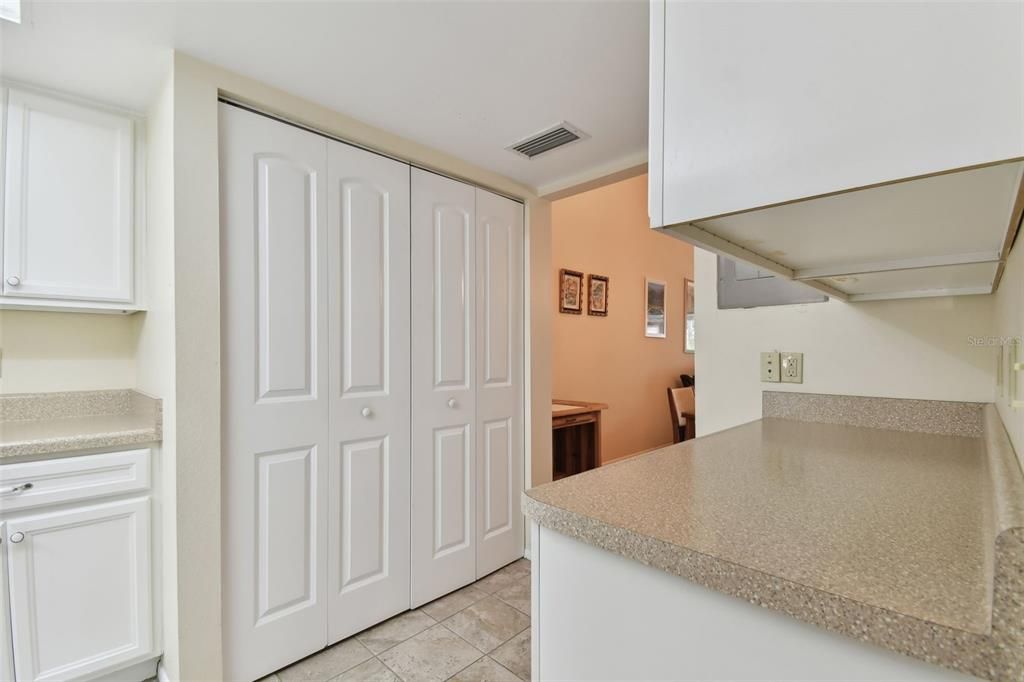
[575, 437]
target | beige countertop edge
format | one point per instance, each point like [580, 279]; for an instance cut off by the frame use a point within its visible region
[997, 655]
[85, 442]
[1004, 469]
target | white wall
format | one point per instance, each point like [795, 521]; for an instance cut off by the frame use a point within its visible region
[900, 349]
[50, 351]
[1010, 325]
[155, 355]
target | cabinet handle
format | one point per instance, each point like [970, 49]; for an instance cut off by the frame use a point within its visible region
[452, 404]
[17, 537]
[16, 489]
[366, 412]
[14, 280]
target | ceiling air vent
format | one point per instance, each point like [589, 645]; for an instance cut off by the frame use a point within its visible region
[548, 139]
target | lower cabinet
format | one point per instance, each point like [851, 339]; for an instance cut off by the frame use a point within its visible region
[77, 599]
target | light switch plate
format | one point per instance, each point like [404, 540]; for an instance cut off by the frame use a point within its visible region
[792, 368]
[770, 366]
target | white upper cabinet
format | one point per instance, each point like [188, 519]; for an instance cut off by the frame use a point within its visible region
[69, 205]
[806, 137]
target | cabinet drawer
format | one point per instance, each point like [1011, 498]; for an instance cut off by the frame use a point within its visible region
[27, 485]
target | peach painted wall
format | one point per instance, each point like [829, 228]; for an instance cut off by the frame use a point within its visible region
[608, 359]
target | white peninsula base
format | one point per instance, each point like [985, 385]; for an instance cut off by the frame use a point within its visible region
[600, 616]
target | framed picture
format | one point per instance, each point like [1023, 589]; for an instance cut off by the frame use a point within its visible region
[688, 316]
[597, 295]
[654, 306]
[570, 292]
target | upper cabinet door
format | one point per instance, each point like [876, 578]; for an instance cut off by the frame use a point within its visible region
[755, 104]
[69, 202]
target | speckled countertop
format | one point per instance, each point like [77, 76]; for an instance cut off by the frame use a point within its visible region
[33, 424]
[908, 539]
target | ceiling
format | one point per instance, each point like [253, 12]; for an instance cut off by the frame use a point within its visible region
[467, 78]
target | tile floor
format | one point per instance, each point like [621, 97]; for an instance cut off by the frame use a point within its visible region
[481, 632]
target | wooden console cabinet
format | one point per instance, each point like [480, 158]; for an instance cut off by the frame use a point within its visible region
[575, 437]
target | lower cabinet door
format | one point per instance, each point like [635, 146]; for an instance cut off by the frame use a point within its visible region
[80, 590]
[6, 655]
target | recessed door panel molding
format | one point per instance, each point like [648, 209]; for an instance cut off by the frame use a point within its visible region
[68, 216]
[89, 564]
[286, 503]
[275, 415]
[453, 492]
[368, 538]
[6, 652]
[499, 380]
[365, 491]
[452, 315]
[286, 277]
[497, 297]
[444, 441]
[365, 268]
[497, 477]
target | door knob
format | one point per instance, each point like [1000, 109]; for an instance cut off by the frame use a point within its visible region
[17, 537]
[366, 412]
[451, 403]
[14, 280]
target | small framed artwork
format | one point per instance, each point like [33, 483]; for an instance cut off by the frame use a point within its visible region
[570, 292]
[654, 306]
[688, 316]
[597, 295]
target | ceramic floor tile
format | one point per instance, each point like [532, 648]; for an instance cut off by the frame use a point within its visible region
[488, 623]
[502, 578]
[395, 631]
[450, 604]
[371, 671]
[517, 595]
[328, 663]
[515, 654]
[434, 654]
[485, 670]
[524, 564]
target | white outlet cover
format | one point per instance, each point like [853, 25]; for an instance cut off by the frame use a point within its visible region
[770, 366]
[792, 368]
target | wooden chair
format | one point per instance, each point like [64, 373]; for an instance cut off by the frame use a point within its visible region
[681, 410]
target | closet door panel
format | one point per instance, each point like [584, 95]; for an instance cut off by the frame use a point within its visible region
[444, 361]
[499, 380]
[274, 336]
[368, 539]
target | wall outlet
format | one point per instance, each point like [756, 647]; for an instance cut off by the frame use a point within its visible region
[792, 368]
[770, 366]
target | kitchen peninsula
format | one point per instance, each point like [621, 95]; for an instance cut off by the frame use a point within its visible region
[883, 538]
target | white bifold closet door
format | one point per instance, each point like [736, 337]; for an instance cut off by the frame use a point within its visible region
[368, 527]
[466, 384]
[315, 338]
[275, 389]
[499, 381]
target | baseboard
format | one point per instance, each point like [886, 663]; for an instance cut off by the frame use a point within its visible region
[631, 455]
[161, 672]
[527, 554]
